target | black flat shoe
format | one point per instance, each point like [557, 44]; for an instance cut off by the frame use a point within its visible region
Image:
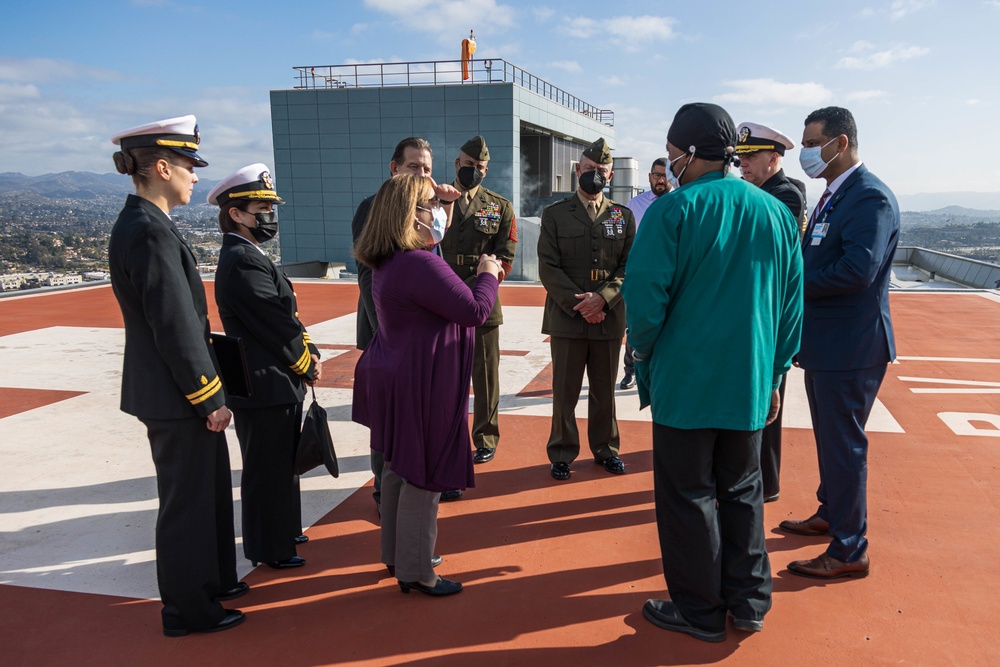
[301, 539]
[442, 587]
[627, 382]
[294, 561]
[560, 471]
[435, 561]
[484, 455]
[239, 590]
[448, 496]
[233, 618]
[613, 465]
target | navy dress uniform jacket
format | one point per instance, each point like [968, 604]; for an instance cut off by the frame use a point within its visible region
[169, 369]
[787, 191]
[846, 278]
[256, 303]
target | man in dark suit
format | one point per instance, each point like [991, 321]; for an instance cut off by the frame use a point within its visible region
[582, 249]
[412, 156]
[847, 338]
[761, 150]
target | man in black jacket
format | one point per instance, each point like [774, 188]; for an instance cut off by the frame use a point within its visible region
[761, 149]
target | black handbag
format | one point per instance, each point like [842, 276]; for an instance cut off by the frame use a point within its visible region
[315, 443]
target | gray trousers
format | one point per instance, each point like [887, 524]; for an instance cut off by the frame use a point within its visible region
[409, 527]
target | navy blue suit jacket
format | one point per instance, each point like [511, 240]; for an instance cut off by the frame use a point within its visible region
[846, 322]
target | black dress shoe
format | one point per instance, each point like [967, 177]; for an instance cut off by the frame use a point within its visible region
[239, 590]
[233, 618]
[442, 587]
[484, 455]
[665, 614]
[301, 539]
[613, 465]
[435, 561]
[772, 498]
[294, 561]
[560, 471]
[448, 496]
[627, 382]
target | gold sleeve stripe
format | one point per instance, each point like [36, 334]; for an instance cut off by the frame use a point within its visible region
[177, 144]
[302, 365]
[306, 338]
[210, 390]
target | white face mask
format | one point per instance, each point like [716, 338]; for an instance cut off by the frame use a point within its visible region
[811, 159]
[439, 226]
[675, 181]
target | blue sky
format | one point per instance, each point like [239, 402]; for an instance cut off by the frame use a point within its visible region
[920, 75]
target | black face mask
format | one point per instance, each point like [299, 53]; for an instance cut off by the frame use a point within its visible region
[267, 226]
[592, 182]
[469, 177]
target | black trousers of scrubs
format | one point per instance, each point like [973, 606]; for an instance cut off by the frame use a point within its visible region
[195, 543]
[710, 519]
[272, 512]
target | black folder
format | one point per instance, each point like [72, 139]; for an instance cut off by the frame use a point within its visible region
[232, 358]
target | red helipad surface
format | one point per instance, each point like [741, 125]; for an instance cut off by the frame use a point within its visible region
[556, 573]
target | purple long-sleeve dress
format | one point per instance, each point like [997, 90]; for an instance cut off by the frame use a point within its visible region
[411, 384]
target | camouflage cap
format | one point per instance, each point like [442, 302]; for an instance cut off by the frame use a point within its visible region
[599, 152]
[476, 148]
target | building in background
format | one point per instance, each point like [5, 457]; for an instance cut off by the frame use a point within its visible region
[335, 130]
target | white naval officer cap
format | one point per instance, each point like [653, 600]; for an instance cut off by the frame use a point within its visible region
[252, 182]
[178, 134]
[753, 137]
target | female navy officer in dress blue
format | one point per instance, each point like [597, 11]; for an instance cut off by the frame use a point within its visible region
[169, 379]
[257, 304]
[411, 384]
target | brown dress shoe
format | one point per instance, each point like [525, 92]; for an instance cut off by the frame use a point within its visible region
[828, 567]
[810, 527]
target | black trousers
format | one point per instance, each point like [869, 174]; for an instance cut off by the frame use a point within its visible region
[770, 449]
[710, 519]
[195, 542]
[272, 506]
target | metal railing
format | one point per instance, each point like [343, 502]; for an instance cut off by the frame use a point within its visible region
[442, 73]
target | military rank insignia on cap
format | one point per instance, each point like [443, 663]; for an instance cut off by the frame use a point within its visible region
[252, 182]
[178, 134]
[476, 148]
[599, 152]
[753, 137]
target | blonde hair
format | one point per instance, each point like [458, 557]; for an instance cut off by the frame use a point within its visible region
[390, 224]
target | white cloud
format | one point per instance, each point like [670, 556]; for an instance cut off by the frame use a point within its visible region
[972, 101]
[447, 16]
[16, 91]
[860, 47]
[629, 31]
[882, 59]
[39, 70]
[901, 8]
[359, 28]
[613, 81]
[566, 65]
[864, 95]
[992, 3]
[768, 92]
[543, 14]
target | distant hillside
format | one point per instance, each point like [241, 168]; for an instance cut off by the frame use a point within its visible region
[949, 215]
[79, 185]
[935, 201]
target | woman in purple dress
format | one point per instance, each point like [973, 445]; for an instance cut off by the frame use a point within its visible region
[411, 384]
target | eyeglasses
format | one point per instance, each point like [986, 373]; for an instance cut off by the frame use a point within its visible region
[657, 177]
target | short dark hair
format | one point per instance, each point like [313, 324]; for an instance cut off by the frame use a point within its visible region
[658, 162]
[410, 142]
[836, 121]
[226, 223]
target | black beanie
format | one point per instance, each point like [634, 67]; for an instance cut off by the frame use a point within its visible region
[707, 127]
